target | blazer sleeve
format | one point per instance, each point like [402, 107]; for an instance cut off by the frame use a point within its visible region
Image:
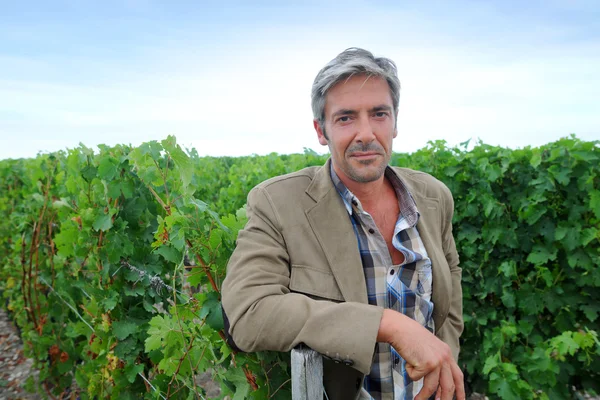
[452, 328]
[265, 315]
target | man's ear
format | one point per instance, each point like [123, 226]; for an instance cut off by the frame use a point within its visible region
[320, 133]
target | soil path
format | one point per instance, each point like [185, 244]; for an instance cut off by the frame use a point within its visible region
[14, 367]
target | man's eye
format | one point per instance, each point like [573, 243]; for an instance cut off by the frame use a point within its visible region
[380, 114]
[344, 118]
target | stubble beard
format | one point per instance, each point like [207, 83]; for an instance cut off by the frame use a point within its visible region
[364, 175]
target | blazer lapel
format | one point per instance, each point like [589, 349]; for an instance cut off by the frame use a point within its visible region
[331, 225]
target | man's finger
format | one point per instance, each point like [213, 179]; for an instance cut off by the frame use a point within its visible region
[446, 382]
[430, 384]
[459, 382]
[414, 373]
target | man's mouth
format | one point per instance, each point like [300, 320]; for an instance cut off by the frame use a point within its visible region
[364, 155]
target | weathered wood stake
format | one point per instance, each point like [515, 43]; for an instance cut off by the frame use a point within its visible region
[307, 374]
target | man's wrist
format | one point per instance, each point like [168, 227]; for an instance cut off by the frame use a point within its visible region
[394, 327]
[390, 323]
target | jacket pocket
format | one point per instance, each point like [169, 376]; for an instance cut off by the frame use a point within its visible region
[314, 282]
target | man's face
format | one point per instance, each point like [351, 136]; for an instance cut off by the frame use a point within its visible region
[360, 127]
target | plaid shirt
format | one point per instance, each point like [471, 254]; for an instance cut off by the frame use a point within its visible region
[405, 288]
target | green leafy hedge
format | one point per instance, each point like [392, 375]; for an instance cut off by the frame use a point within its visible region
[92, 250]
[527, 228]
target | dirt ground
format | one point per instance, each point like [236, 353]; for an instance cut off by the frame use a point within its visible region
[14, 367]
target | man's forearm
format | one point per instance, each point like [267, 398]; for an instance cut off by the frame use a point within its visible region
[426, 356]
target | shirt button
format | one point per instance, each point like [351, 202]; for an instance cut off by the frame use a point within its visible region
[392, 272]
[371, 230]
[355, 202]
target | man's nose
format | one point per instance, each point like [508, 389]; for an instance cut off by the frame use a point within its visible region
[364, 130]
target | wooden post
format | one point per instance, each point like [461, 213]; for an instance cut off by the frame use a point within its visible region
[307, 374]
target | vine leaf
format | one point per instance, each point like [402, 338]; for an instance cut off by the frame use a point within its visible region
[211, 309]
[541, 255]
[595, 202]
[238, 378]
[505, 391]
[182, 161]
[122, 329]
[132, 370]
[107, 169]
[169, 253]
[102, 223]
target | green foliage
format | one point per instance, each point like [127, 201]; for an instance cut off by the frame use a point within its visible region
[92, 249]
[527, 230]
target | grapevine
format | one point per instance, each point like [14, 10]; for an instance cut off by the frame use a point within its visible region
[93, 247]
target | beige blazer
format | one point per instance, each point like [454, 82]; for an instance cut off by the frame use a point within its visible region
[296, 275]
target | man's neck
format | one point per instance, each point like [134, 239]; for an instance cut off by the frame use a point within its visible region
[368, 193]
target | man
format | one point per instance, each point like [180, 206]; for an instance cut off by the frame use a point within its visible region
[355, 259]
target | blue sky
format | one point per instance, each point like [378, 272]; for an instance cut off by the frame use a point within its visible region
[234, 78]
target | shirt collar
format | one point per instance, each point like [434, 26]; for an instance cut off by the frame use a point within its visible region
[347, 196]
[406, 202]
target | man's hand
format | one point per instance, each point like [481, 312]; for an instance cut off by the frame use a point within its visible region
[426, 356]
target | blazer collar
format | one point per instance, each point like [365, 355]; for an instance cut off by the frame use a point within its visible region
[321, 183]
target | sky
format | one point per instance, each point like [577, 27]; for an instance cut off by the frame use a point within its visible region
[234, 78]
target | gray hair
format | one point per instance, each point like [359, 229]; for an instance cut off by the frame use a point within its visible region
[350, 62]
